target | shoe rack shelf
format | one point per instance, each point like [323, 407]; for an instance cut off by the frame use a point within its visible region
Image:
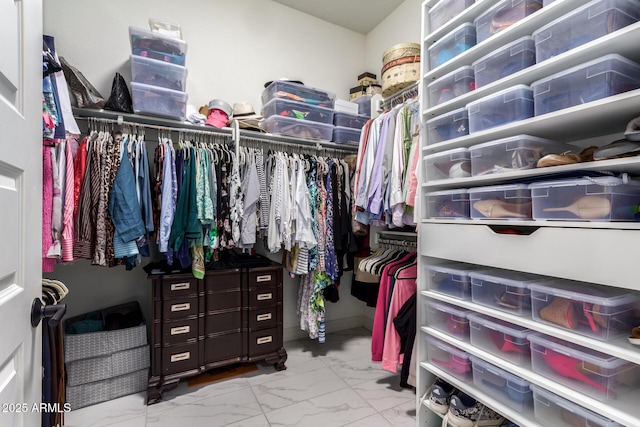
[596, 252]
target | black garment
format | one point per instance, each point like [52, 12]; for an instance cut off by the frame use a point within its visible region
[405, 324]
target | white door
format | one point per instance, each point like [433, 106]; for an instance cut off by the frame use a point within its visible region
[20, 209]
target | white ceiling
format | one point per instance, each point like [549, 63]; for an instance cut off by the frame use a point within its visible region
[358, 15]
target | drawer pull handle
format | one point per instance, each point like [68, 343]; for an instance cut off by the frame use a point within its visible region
[181, 307]
[180, 357]
[262, 297]
[180, 286]
[265, 278]
[180, 330]
[261, 317]
[264, 340]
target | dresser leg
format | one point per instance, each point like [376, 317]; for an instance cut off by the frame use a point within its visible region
[278, 359]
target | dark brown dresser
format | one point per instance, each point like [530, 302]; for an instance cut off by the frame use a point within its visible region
[230, 316]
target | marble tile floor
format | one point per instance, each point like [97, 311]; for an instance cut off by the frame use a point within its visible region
[329, 385]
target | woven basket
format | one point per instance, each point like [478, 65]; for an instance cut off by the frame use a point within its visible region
[401, 67]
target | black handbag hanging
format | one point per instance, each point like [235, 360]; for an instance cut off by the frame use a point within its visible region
[120, 98]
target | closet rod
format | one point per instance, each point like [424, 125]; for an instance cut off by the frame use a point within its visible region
[399, 97]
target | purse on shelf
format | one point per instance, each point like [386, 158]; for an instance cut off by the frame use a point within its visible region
[83, 94]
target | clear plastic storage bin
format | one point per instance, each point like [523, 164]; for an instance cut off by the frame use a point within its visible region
[151, 44]
[158, 101]
[507, 106]
[503, 290]
[448, 126]
[297, 110]
[452, 45]
[454, 163]
[600, 312]
[364, 105]
[501, 338]
[346, 135]
[514, 153]
[450, 278]
[448, 204]
[296, 92]
[445, 10]
[451, 85]
[503, 15]
[509, 201]
[449, 358]
[597, 79]
[585, 199]
[347, 120]
[552, 410]
[448, 319]
[589, 22]
[505, 61]
[506, 387]
[297, 128]
[158, 73]
[583, 369]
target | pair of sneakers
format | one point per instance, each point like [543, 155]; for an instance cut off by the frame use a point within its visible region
[459, 409]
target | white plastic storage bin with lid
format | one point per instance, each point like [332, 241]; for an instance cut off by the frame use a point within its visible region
[450, 278]
[552, 410]
[151, 44]
[449, 358]
[510, 389]
[453, 44]
[505, 61]
[454, 163]
[348, 120]
[448, 204]
[517, 152]
[501, 338]
[448, 126]
[507, 106]
[296, 92]
[297, 128]
[585, 199]
[583, 369]
[509, 201]
[589, 22]
[447, 318]
[158, 73]
[345, 135]
[603, 77]
[451, 85]
[503, 290]
[297, 110]
[445, 10]
[158, 101]
[503, 15]
[601, 312]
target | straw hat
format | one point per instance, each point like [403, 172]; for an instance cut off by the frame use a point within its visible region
[245, 115]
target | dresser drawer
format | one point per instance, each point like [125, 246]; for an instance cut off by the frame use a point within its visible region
[179, 358]
[181, 307]
[261, 318]
[225, 299]
[263, 341]
[259, 279]
[223, 347]
[179, 331]
[176, 288]
[223, 322]
[261, 298]
[219, 281]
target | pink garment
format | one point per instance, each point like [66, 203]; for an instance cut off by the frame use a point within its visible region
[413, 179]
[47, 208]
[68, 234]
[377, 334]
[405, 287]
[217, 118]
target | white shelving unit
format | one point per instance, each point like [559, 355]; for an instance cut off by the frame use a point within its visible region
[597, 252]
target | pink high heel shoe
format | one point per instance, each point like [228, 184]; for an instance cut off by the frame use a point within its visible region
[567, 366]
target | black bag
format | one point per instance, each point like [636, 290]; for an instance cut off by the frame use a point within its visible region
[120, 99]
[83, 94]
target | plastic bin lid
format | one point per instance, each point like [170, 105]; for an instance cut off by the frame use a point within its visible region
[577, 351]
[447, 192]
[351, 115]
[448, 348]
[515, 88]
[573, 407]
[604, 181]
[587, 292]
[461, 150]
[294, 104]
[459, 269]
[507, 376]
[505, 277]
[499, 325]
[173, 68]
[466, 25]
[293, 121]
[297, 84]
[613, 57]
[467, 70]
[504, 187]
[450, 113]
[449, 308]
[165, 91]
[510, 139]
[522, 40]
[156, 35]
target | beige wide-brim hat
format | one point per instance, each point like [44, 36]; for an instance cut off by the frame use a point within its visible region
[245, 115]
